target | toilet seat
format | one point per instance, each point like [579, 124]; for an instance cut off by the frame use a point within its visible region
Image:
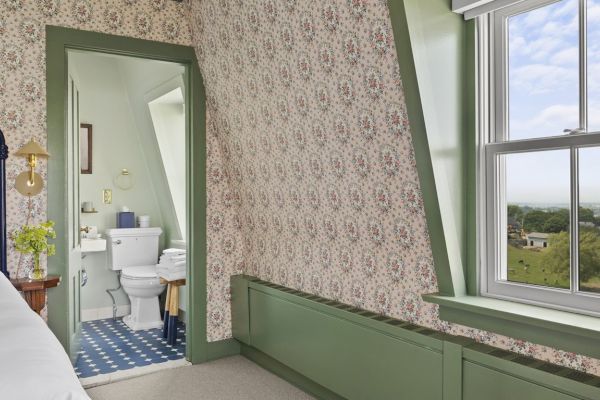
[140, 272]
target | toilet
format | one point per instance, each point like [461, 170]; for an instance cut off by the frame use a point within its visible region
[134, 252]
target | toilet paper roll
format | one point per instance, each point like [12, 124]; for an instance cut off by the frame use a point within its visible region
[143, 221]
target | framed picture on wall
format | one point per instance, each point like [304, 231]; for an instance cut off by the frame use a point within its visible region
[85, 148]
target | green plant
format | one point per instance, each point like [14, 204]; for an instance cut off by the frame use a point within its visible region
[33, 239]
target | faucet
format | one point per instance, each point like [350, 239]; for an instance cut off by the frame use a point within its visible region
[85, 229]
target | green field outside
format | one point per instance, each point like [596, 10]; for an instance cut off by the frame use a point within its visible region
[533, 272]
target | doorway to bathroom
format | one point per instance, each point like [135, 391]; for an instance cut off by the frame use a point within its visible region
[65, 203]
[128, 126]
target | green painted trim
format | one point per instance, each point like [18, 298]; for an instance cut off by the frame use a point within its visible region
[421, 146]
[221, 349]
[240, 309]
[56, 98]
[58, 41]
[559, 329]
[288, 374]
[452, 378]
[470, 123]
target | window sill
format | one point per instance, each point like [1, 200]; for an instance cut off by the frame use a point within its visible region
[558, 329]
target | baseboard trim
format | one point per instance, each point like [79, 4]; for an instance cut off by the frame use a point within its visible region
[182, 316]
[288, 374]
[93, 314]
[222, 348]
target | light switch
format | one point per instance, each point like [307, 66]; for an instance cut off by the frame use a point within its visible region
[107, 196]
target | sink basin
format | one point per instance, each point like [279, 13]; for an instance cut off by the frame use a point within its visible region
[93, 245]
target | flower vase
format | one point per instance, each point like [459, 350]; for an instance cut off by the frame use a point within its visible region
[36, 274]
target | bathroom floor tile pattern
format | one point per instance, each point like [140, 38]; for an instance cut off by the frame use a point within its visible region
[108, 346]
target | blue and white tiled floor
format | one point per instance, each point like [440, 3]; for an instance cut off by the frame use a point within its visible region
[108, 346]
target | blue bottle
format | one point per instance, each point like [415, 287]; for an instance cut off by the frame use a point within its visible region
[125, 219]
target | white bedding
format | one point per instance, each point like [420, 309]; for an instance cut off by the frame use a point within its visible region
[33, 364]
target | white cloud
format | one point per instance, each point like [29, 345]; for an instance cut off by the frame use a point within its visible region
[593, 12]
[569, 55]
[539, 34]
[543, 79]
[536, 17]
[550, 121]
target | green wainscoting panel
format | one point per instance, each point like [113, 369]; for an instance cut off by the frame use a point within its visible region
[334, 350]
[544, 375]
[354, 361]
[285, 372]
[485, 383]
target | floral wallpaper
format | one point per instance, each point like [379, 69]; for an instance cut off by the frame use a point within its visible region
[23, 75]
[312, 178]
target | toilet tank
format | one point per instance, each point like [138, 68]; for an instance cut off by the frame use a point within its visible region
[132, 247]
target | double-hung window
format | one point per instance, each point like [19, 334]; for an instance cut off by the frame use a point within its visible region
[539, 197]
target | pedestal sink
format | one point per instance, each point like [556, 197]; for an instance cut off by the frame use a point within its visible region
[93, 245]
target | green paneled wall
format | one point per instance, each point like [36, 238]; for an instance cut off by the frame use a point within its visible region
[484, 383]
[285, 331]
[335, 350]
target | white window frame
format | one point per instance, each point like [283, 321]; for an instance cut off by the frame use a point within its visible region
[492, 142]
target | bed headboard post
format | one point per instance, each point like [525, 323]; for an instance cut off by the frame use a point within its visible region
[3, 157]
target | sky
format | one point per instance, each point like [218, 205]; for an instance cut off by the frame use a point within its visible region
[544, 100]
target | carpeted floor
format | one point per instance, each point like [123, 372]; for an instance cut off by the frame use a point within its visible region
[226, 379]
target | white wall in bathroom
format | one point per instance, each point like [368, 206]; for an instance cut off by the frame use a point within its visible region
[145, 82]
[168, 118]
[117, 144]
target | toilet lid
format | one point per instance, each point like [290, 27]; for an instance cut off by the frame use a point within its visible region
[145, 271]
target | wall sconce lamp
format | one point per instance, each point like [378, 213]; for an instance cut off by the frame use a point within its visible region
[30, 183]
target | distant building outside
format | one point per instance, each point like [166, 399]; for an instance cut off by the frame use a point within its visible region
[536, 239]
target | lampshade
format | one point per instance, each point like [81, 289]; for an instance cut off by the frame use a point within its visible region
[32, 147]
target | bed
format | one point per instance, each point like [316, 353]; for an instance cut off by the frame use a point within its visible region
[33, 363]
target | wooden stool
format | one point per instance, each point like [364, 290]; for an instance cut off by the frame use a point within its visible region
[171, 314]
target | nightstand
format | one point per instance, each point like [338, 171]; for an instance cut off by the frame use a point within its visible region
[35, 291]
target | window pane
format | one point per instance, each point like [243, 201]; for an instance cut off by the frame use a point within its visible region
[543, 71]
[589, 219]
[594, 65]
[537, 218]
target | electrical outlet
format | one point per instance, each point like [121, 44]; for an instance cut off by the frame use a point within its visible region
[107, 196]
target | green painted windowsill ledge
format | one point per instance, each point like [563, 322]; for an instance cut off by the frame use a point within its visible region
[559, 329]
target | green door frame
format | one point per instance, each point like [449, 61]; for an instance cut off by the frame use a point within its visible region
[58, 41]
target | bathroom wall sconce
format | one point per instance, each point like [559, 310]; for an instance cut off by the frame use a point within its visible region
[124, 180]
[30, 183]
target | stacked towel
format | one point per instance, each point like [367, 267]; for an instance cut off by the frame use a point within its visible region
[172, 264]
